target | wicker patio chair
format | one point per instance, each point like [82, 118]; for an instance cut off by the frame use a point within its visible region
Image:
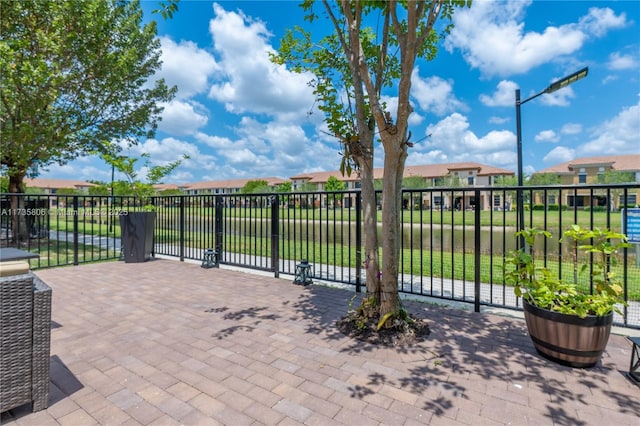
[25, 339]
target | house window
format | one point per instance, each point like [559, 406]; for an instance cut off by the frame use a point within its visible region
[496, 201]
[582, 178]
[470, 180]
[552, 199]
[437, 200]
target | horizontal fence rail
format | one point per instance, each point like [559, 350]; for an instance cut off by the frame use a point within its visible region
[63, 229]
[453, 242]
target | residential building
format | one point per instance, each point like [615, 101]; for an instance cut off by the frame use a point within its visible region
[451, 175]
[54, 186]
[319, 180]
[222, 187]
[596, 170]
[464, 175]
[57, 187]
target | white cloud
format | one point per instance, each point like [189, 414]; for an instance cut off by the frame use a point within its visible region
[571, 129]
[452, 141]
[273, 137]
[213, 141]
[503, 96]
[558, 155]
[559, 98]
[430, 157]
[618, 136]
[187, 66]
[492, 37]
[498, 120]
[274, 148]
[163, 151]
[434, 95]
[391, 104]
[547, 136]
[77, 170]
[250, 81]
[619, 61]
[600, 20]
[183, 117]
[415, 119]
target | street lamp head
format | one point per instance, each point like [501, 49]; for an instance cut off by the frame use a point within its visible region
[564, 82]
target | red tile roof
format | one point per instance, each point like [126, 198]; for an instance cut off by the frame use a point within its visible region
[231, 183]
[56, 183]
[623, 163]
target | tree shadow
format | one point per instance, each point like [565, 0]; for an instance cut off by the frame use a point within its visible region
[255, 315]
[466, 349]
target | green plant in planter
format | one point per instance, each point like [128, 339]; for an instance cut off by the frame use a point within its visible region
[593, 252]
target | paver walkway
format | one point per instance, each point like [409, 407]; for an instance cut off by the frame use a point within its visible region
[167, 343]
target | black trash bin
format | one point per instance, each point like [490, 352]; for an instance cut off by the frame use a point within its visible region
[136, 230]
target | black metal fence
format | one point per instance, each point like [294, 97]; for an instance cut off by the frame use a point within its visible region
[453, 239]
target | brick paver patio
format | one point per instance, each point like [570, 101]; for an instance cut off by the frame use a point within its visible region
[167, 343]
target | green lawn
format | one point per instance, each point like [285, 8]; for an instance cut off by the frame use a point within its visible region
[445, 264]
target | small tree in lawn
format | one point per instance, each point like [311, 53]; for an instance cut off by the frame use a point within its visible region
[256, 187]
[335, 184]
[139, 187]
[284, 187]
[351, 67]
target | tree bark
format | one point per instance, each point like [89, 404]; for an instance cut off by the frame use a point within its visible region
[370, 228]
[353, 51]
[19, 231]
[394, 160]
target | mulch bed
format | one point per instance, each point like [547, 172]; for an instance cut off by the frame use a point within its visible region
[403, 335]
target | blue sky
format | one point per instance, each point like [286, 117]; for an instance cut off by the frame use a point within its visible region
[239, 116]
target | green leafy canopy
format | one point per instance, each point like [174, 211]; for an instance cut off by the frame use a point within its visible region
[75, 73]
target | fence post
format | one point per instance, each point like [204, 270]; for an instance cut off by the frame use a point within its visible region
[218, 225]
[358, 242]
[181, 230]
[75, 230]
[476, 233]
[275, 234]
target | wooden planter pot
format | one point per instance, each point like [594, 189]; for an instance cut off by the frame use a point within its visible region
[136, 229]
[568, 339]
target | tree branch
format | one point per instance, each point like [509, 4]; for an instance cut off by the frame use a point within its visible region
[383, 52]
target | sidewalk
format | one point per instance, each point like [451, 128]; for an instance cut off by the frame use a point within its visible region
[168, 343]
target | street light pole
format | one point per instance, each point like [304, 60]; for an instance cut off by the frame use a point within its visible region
[556, 85]
[519, 197]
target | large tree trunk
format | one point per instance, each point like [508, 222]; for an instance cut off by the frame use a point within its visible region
[19, 230]
[353, 51]
[394, 160]
[370, 228]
